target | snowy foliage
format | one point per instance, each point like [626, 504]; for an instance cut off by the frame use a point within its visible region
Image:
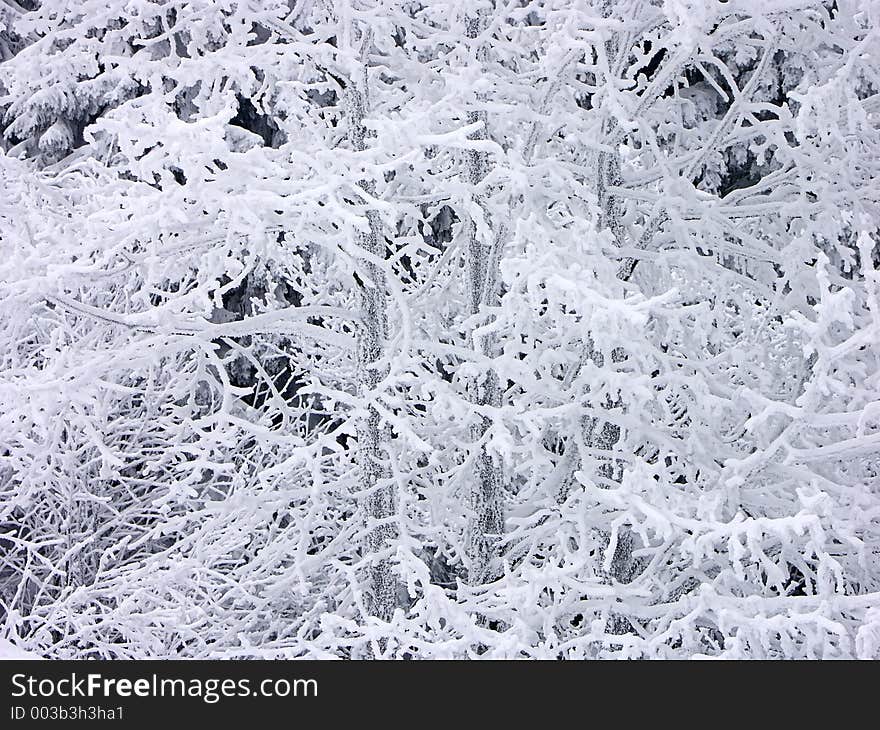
[382, 328]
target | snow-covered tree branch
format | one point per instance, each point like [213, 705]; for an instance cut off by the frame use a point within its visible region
[462, 328]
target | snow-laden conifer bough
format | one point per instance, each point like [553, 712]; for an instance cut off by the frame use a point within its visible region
[371, 328]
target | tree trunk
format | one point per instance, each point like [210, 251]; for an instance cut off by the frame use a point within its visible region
[379, 502]
[606, 436]
[487, 522]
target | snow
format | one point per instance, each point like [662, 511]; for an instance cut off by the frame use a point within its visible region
[440, 330]
[8, 650]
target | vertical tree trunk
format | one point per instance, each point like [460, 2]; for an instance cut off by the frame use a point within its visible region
[605, 435]
[379, 502]
[487, 521]
[621, 569]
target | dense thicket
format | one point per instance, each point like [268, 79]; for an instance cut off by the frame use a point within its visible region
[379, 328]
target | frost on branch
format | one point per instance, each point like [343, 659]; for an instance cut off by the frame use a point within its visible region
[400, 330]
